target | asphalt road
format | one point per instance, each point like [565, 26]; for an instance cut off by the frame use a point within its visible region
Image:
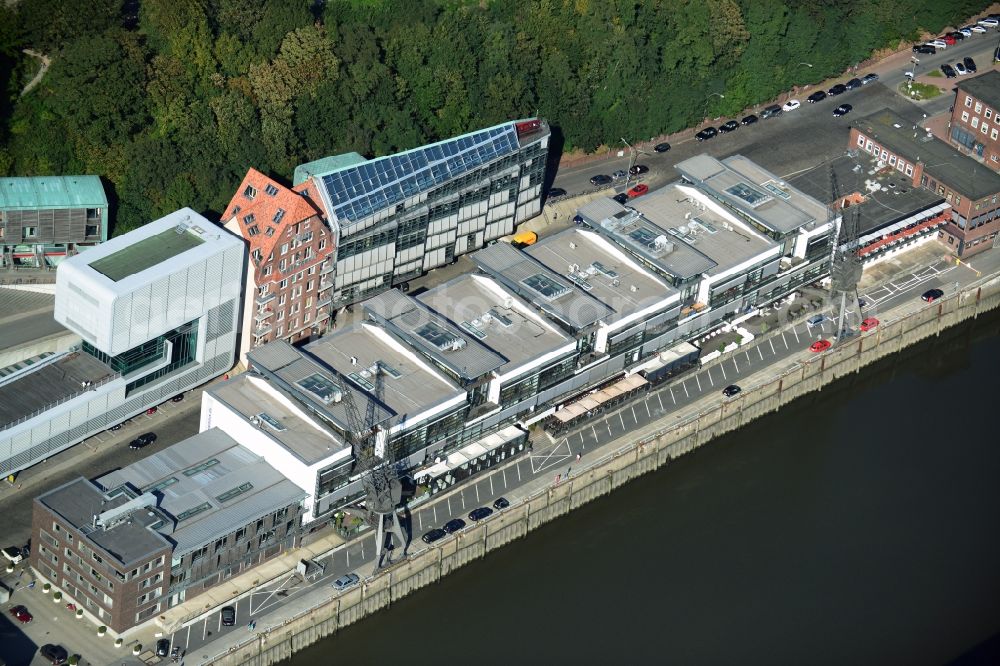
[806, 137]
[545, 463]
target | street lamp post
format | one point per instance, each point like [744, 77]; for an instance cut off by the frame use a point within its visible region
[631, 162]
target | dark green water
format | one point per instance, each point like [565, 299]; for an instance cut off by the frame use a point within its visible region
[860, 525]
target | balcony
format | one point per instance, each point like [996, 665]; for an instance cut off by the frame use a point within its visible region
[262, 329]
[264, 299]
[327, 269]
[325, 284]
[263, 314]
[324, 303]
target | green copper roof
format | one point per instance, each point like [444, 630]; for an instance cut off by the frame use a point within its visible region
[325, 165]
[20, 193]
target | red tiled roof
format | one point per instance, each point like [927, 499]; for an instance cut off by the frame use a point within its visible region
[260, 210]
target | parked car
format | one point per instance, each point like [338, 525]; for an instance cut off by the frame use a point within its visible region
[480, 513]
[621, 197]
[661, 147]
[820, 346]
[938, 43]
[775, 110]
[177, 398]
[115, 427]
[346, 581]
[869, 78]
[966, 31]
[853, 84]
[932, 295]
[13, 554]
[729, 126]
[454, 525]
[600, 179]
[638, 169]
[970, 64]
[947, 70]
[706, 134]
[150, 411]
[228, 614]
[869, 323]
[948, 39]
[638, 190]
[501, 503]
[556, 192]
[163, 647]
[142, 440]
[960, 68]
[817, 96]
[434, 535]
[838, 89]
[54, 654]
[927, 49]
[749, 120]
[988, 22]
[791, 105]
[731, 390]
[816, 320]
[977, 28]
[21, 614]
[958, 35]
[842, 110]
[619, 175]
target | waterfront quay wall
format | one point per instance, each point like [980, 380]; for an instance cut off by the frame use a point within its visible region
[596, 478]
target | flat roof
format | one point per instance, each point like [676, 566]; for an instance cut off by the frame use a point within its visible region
[325, 165]
[984, 87]
[630, 229]
[690, 217]
[318, 388]
[942, 162]
[459, 350]
[552, 293]
[55, 380]
[259, 400]
[209, 485]
[145, 253]
[410, 386]
[896, 199]
[754, 191]
[28, 192]
[511, 328]
[27, 317]
[603, 270]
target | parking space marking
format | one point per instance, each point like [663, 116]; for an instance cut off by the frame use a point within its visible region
[672, 395]
[434, 510]
[594, 430]
[697, 379]
[710, 379]
[462, 495]
[503, 473]
[736, 365]
[748, 356]
[420, 519]
[477, 493]
[622, 419]
[685, 385]
[723, 372]
[760, 352]
[770, 342]
[795, 330]
[493, 492]
[659, 400]
[784, 340]
[646, 403]
[518, 471]
[451, 511]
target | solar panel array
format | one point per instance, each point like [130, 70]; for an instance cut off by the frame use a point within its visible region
[358, 191]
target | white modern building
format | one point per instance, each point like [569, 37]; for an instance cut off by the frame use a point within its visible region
[157, 310]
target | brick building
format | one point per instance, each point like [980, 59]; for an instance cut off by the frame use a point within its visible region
[970, 188]
[975, 118]
[289, 277]
[141, 539]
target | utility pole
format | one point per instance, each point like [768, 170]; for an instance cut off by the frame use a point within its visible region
[631, 162]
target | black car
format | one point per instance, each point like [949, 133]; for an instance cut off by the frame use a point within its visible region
[434, 535]
[638, 169]
[869, 78]
[557, 192]
[177, 398]
[117, 426]
[480, 513]
[957, 35]
[163, 648]
[731, 390]
[970, 64]
[706, 134]
[729, 126]
[838, 89]
[142, 440]
[928, 49]
[853, 84]
[932, 295]
[842, 110]
[770, 112]
[454, 525]
[661, 147]
[817, 96]
[948, 71]
[228, 616]
[620, 198]
[501, 503]
[600, 179]
[54, 654]
[749, 120]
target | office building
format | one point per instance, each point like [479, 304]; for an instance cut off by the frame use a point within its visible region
[975, 126]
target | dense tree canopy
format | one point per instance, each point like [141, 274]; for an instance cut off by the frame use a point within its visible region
[172, 105]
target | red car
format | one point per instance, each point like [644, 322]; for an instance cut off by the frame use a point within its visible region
[150, 411]
[947, 39]
[820, 346]
[869, 324]
[22, 614]
[638, 190]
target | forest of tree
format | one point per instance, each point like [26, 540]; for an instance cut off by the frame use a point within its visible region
[170, 101]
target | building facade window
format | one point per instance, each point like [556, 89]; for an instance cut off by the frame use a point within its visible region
[965, 116]
[979, 107]
[975, 122]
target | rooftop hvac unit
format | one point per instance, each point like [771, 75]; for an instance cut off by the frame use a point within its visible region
[572, 245]
[486, 318]
[683, 229]
[633, 288]
[687, 215]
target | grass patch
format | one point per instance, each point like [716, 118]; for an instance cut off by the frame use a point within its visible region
[935, 72]
[919, 90]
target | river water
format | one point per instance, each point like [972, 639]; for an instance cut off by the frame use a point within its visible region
[859, 525]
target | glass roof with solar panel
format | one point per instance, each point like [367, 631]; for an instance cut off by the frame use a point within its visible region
[358, 191]
[321, 387]
[438, 336]
[546, 286]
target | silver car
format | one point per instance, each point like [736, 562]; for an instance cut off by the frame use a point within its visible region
[346, 581]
